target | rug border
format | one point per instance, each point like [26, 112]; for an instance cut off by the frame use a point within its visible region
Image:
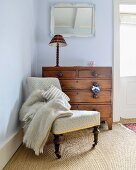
[126, 128]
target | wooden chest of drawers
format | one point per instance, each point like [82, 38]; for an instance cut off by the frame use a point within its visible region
[77, 83]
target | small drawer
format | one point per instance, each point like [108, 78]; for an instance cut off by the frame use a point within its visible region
[104, 73]
[87, 97]
[60, 74]
[105, 110]
[85, 84]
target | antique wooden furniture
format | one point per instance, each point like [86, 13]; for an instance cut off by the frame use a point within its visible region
[79, 120]
[89, 88]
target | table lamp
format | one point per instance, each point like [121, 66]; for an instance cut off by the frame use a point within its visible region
[57, 41]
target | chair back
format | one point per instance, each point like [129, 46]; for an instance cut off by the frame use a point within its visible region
[34, 83]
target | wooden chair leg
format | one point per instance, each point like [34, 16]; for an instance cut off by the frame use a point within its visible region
[57, 142]
[96, 132]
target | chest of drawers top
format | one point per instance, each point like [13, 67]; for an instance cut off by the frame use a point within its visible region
[77, 72]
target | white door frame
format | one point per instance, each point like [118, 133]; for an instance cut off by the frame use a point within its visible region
[116, 61]
[116, 56]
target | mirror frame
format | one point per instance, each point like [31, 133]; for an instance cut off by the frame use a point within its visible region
[83, 5]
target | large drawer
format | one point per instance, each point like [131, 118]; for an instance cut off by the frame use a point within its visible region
[105, 110]
[87, 97]
[96, 73]
[59, 74]
[84, 84]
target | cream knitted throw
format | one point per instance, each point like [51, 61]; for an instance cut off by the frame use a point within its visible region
[39, 117]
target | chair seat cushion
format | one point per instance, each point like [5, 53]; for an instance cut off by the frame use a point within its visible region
[80, 119]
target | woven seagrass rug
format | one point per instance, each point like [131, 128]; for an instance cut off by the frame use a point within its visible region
[116, 150]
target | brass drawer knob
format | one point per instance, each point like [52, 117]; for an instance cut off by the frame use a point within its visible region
[95, 96]
[60, 74]
[94, 73]
[93, 109]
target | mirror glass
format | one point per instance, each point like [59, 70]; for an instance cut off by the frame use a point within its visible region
[73, 20]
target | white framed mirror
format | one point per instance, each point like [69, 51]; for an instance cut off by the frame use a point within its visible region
[73, 20]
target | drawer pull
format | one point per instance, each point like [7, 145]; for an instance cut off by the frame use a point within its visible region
[94, 73]
[95, 96]
[95, 89]
[59, 74]
[93, 109]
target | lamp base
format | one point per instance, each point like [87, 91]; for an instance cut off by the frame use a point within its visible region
[57, 56]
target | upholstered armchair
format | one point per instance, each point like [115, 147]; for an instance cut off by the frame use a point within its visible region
[79, 120]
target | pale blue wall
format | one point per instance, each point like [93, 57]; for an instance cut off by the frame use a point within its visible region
[17, 48]
[79, 50]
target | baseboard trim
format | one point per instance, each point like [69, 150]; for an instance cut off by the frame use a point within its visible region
[9, 148]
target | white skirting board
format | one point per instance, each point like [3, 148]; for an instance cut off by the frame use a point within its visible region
[9, 148]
